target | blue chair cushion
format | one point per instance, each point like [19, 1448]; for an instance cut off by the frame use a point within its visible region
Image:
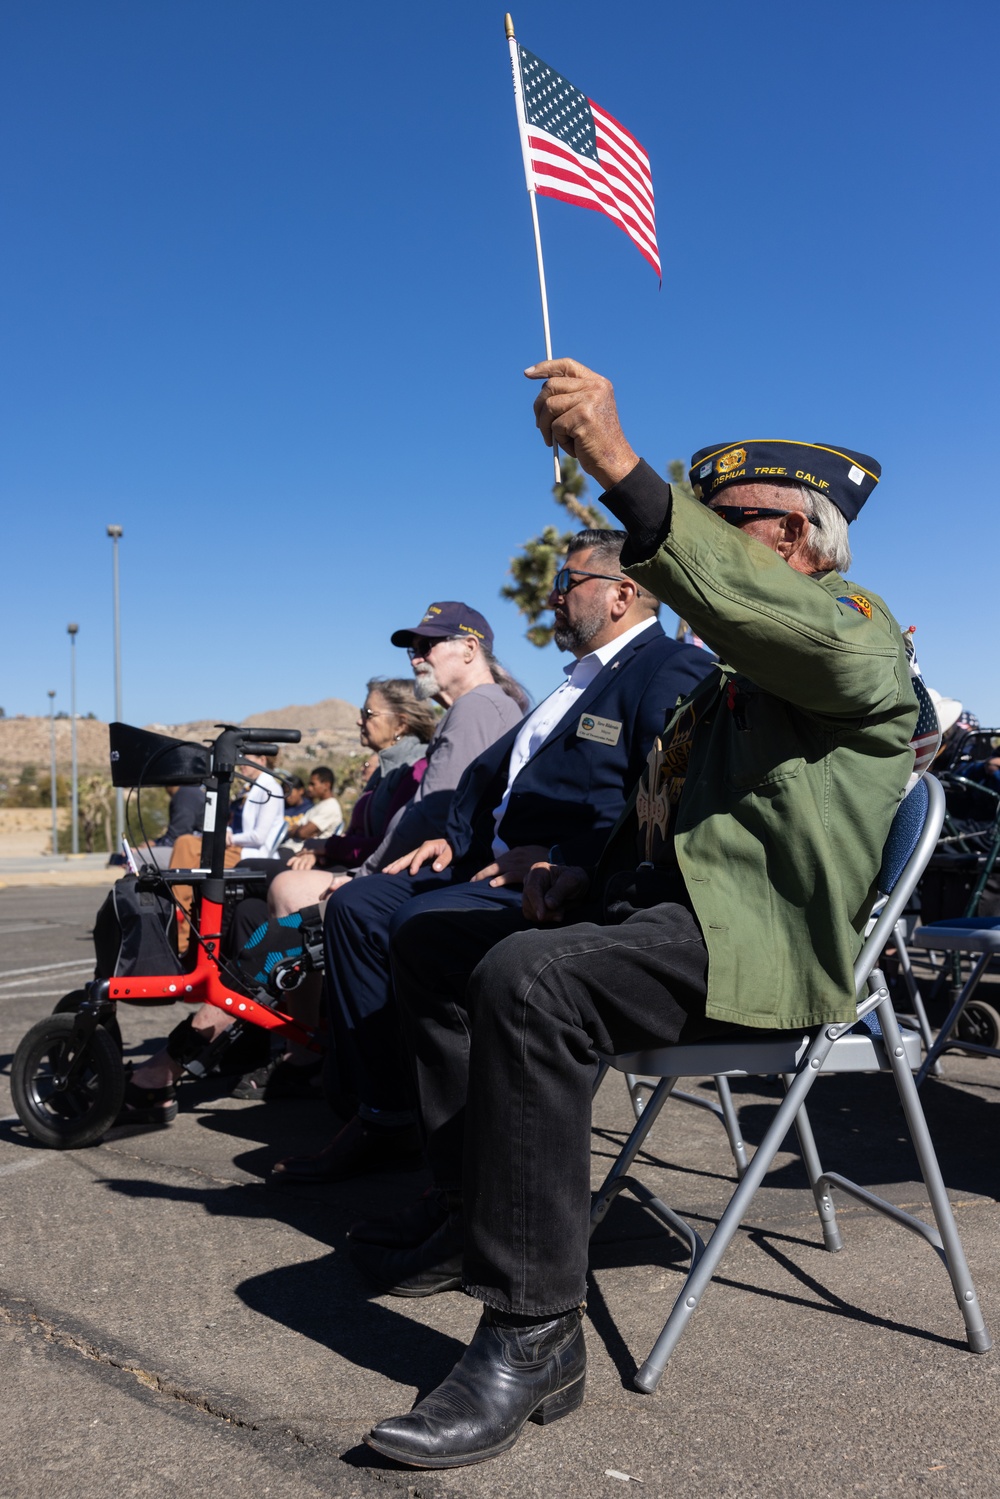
[907, 825]
[960, 933]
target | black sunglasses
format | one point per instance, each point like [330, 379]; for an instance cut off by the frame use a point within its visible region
[422, 645]
[737, 514]
[568, 578]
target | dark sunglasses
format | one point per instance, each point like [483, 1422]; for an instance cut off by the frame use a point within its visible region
[568, 578]
[422, 645]
[737, 514]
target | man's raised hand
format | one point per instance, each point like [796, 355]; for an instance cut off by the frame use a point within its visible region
[550, 888]
[437, 849]
[576, 409]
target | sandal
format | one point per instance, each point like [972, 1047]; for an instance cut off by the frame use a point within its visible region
[157, 1106]
[252, 1084]
[280, 1079]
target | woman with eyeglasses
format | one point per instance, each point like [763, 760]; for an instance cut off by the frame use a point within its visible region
[395, 726]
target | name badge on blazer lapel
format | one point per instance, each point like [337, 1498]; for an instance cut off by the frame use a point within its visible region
[600, 730]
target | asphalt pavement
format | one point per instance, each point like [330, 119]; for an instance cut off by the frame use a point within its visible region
[42, 871]
[169, 1324]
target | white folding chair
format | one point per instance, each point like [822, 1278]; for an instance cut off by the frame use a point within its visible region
[873, 1042]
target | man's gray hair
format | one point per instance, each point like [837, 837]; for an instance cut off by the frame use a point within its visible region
[504, 679]
[828, 544]
[607, 554]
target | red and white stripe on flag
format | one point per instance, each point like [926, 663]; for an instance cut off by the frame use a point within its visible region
[618, 183]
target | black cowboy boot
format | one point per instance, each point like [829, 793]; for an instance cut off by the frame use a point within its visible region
[509, 1374]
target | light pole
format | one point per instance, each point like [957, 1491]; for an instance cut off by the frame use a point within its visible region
[71, 631]
[52, 748]
[115, 532]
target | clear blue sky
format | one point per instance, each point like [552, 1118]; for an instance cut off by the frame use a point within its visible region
[268, 289]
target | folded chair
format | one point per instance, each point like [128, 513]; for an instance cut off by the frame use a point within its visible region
[871, 1043]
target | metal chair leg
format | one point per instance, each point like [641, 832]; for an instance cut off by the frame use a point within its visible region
[944, 1036]
[952, 1253]
[913, 990]
[832, 1239]
[617, 1177]
[635, 1087]
[700, 1276]
[731, 1120]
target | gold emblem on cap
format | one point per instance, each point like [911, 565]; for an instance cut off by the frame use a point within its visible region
[731, 460]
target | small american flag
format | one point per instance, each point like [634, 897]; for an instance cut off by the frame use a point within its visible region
[926, 738]
[579, 153]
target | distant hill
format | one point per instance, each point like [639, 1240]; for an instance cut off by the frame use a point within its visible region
[328, 728]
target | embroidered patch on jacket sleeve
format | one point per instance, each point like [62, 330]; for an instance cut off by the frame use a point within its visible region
[859, 602]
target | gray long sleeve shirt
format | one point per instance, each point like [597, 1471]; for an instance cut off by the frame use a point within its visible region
[472, 723]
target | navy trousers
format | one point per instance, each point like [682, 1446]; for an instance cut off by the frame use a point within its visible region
[367, 1056]
[371, 1059]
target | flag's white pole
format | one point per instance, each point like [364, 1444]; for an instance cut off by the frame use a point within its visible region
[522, 126]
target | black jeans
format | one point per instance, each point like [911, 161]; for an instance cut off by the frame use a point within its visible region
[542, 1005]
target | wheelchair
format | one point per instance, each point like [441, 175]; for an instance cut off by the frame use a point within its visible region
[962, 879]
[68, 1077]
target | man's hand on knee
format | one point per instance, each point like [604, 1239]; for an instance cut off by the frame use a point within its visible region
[550, 889]
[437, 850]
[305, 860]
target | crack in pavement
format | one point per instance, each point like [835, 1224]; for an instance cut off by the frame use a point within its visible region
[328, 1461]
[179, 1166]
[18, 1313]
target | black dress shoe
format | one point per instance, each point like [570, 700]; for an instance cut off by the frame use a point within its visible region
[411, 1225]
[422, 1269]
[506, 1376]
[358, 1149]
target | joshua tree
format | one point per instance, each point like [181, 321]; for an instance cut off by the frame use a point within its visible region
[534, 567]
[96, 801]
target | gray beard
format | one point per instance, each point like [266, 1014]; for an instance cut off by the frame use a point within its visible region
[576, 637]
[425, 685]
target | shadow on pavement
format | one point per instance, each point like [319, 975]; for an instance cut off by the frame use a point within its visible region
[861, 1133]
[322, 1299]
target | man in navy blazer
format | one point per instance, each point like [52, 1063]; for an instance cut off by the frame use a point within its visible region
[558, 780]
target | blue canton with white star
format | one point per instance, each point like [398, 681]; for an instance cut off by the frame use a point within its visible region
[553, 104]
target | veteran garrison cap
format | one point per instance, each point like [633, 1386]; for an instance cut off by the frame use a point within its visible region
[844, 477]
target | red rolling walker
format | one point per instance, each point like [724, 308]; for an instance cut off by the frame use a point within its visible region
[68, 1078]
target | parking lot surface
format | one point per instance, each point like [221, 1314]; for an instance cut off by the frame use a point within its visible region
[171, 1325]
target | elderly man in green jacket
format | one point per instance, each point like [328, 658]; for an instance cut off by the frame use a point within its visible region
[733, 892]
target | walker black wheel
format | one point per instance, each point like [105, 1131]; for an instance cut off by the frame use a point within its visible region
[979, 1022]
[70, 1003]
[64, 1099]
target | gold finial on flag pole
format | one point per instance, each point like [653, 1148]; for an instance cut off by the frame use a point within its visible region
[508, 26]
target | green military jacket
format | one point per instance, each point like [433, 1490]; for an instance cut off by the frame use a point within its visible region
[799, 758]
